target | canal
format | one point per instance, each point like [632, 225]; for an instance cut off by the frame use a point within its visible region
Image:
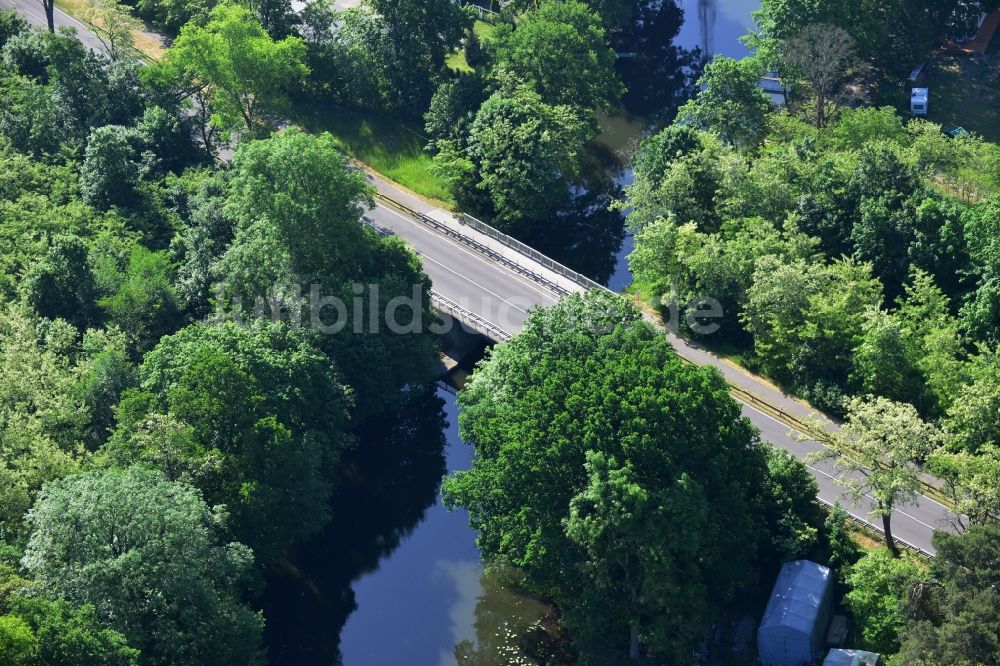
[396, 579]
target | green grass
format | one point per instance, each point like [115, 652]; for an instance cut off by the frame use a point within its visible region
[458, 63]
[457, 60]
[967, 93]
[391, 145]
[483, 29]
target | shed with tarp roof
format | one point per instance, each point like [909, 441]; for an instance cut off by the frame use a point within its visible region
[793, 629]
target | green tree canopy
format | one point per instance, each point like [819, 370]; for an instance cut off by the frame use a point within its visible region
[731, 102]
[878, 451]
[603, 466]
[246, 75]
[254, 416]
[560, 49]
[880, 592]
[956, 609]
[147, 554]
[297, 208]
[70, 636]
[521, 149]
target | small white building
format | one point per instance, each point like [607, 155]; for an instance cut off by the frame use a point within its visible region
[918, 101]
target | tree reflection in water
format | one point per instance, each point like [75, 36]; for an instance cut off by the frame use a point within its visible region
[385, 487]
[513, 628]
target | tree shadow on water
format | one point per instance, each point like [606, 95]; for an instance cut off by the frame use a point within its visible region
[385, 487]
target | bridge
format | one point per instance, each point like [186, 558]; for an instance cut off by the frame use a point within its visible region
[490, 282]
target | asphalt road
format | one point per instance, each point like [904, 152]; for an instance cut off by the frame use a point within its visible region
[504, 297]
[34, 13]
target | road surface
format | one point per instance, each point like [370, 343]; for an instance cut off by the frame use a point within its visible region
[34, 14]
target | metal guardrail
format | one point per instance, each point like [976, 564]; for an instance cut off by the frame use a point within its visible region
[864, 524]
[472, 243]
[529, 252]
[445, 305]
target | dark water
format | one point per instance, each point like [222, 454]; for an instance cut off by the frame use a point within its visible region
[396, 580]
[715, 27]
[420, 602]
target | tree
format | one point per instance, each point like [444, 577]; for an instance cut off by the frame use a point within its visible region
[50, 9]
[880, 591]
[112, 24]
[730, 102]
[297, 210]
[11, 25]
[878, 450]
[522, 148]
[62, 284]
[956, 606]
[18, 643]
[453, 109]
[973, 482]
[71, 636]
[606, 491]
[678, 172]
[972, 417]
[418, 37]
[981, 312]
[791, 509]
[839, 535]
[109, 175]
[142, 301]
[807, 318]
[245, 74]
[254, 416]
[865, 125]
[560, 50]
[823, 55]
[43, 420]
[148, 554]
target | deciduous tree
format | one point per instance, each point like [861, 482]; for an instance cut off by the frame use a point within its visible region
[246, 75]
[148, 553]
[730, 102]
[822, 55]
[561, 51]
[877, 451]
[603, 465]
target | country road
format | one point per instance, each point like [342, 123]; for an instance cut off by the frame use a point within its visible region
[34, 13]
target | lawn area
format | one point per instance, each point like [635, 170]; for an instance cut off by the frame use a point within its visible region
[966, 91]
[391, 145]
[457, 60]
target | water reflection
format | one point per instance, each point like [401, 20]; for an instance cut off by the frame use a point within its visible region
[391, 478]
[716, 26]
[583, 233]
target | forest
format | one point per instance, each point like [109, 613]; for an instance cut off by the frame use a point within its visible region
[177, 413]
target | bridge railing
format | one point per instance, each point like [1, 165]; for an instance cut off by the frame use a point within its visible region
[460, 235]
[529, 252]
[445, 305]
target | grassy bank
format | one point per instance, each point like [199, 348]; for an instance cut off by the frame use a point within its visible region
[391, 145]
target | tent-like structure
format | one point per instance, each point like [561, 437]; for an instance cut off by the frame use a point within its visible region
[793, 628]
[851, 658]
